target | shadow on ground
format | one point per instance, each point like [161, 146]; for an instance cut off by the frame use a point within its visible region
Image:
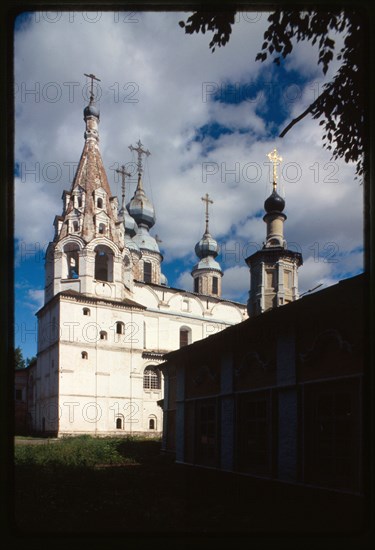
[151, 494]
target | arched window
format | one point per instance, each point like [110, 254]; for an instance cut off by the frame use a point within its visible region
[151, 379]
[147, 272]
[84, 355]
[86, 311]
[103, 335]
[152, 424]
[120, 328]
[99, 203]
[185, 336]
[119, 424]
[103, 263]
[72, 261]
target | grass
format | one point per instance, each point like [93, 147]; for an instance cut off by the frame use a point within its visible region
[73, 452]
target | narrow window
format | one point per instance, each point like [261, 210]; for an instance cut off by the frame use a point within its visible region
[184, 337]
[147, 272]
[214, 285]
[103, 335]
[196, 284]
[151, 424]
[86, 311]
[79, 202]
[84, 355]
[118, 423]
[75, 226]
[99, 203]
[120, 327]
[102, 229]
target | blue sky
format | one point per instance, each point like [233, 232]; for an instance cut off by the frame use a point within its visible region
[209, 121]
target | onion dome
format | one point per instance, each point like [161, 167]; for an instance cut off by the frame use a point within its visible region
[274, 203]
[91, 110]
[141, 208]
[207, 246]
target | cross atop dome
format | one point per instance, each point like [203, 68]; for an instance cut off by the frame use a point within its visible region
[140, 152]
[92, 77]
[275, 159]
[208, 201]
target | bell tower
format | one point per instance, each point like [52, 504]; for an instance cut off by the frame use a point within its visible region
[273, 269]
[87, 253]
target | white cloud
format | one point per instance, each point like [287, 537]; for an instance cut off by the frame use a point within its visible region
[313, 273]
[185, 280]
[36, 298]
[235, 282]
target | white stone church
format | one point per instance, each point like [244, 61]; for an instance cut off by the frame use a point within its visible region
[109, 315]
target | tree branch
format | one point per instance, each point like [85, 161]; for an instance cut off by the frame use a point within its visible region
[295, 120]
[301, 116]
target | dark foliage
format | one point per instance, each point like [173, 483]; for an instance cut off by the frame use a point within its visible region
[19, 361]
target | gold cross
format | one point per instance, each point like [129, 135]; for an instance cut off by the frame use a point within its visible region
[123, 173]
[207, 200]
[275, 159]
[93, 77]
[140, 152]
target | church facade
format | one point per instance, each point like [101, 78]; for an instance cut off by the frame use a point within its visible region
[109, 315]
